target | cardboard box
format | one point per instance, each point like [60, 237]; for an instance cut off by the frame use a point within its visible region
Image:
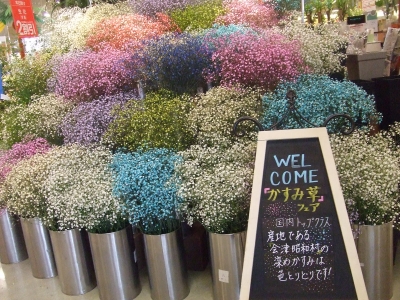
[366, 66]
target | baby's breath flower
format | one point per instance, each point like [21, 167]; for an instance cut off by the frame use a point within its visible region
[369, 173]
[216, 186]
[78, 190]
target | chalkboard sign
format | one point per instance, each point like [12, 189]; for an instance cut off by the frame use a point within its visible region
[299, 240]
[356, 20]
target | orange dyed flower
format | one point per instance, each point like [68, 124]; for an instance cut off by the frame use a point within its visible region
[128, 31]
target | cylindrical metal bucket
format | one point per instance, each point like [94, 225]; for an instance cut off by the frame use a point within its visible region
[116, 270]
[40, 251]
[74, 261]
[375, 251]
[12, 243]
[166, 266]
[227, 254]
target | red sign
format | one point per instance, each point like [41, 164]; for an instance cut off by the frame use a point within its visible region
[24, 20]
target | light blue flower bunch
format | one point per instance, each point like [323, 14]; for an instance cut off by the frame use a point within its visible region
[223, 33]
[226, 30]
[143, 180]
[318, 97]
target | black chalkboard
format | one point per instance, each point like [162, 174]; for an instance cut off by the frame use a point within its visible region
[356, 20]
[299, 250]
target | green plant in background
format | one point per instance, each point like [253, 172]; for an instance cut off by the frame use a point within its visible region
[329, 7]
[343, 7]
[159, 121]
[309, 12]
[24, 78]
[320, 7]
[199, 16]
[388, 6]
[283, 7]
[355, 11]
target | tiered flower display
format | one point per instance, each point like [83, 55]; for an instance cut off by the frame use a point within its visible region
[202, 64]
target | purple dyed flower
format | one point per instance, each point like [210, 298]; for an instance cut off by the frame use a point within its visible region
[151, 7]
[87, 122]
[86, 75]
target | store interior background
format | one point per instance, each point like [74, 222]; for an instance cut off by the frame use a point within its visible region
[17, 282]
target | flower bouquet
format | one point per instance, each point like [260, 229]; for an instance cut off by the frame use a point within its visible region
[143, 181]
[318, 97]
[368, 168]
[214, 113]
[216, 186]
[159, 121]
[23, 188]
[78, 190]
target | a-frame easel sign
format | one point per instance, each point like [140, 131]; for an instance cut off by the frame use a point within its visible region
[299, 239]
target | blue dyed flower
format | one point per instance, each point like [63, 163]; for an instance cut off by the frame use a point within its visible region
[143, 180]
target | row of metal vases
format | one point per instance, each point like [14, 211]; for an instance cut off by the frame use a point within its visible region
[84, 260]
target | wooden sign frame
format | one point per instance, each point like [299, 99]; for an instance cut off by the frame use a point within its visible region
[322, 135]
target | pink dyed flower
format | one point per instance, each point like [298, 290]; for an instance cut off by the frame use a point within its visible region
[86, 75]
[20, 151]
[253, 13]
[126, 32]
[261, 61]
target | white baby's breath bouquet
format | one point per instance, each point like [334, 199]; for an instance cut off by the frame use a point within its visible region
[215, 112]
[216, 186]
[369, 173]
[23, 188]
[321, 45]
[78, 189]
[43, 117]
